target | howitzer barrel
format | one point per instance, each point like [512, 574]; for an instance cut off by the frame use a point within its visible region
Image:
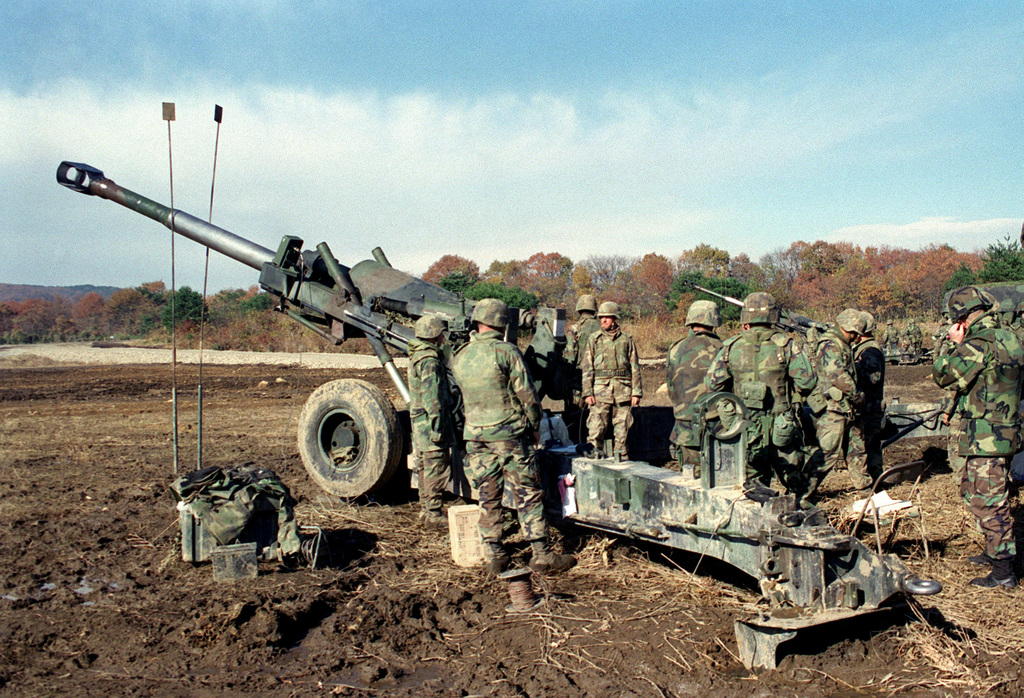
[89, 180]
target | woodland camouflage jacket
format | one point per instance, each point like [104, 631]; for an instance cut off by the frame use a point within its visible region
[611, 367]
[500, 401]
[837, 379]
[985, 372]
[576, 338]
[688, 362]
[430, 398]
[764, 367]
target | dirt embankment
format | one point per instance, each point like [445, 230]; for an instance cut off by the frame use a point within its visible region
[94, 599]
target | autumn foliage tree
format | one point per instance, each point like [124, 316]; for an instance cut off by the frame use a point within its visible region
[452, 264]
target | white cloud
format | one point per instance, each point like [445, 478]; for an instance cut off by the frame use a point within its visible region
[966, 236]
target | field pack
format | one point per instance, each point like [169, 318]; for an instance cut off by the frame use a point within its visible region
[225, 507]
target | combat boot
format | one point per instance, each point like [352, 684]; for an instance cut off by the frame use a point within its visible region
[544, 561]
[433, 520]
[1001, 576]
[497, 559]
[981, 560]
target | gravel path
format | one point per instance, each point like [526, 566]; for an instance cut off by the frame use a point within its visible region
[84, 353]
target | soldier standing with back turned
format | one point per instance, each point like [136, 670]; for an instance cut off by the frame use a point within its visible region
[501, 432]
[688, 362]
[611, 380]
[985, 371]
[769, 372]
[430, 411]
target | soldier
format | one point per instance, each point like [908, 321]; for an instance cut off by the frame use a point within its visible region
[865, 457]
[611, 380]
[688, 362]
[770, 373]
[576, 338]
[836, 398]
[891, 339]
[501, 431]
[903, 341]
[430, 410]
[914, 337]
[985, 371]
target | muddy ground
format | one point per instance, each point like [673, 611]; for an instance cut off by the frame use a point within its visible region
[95, 600]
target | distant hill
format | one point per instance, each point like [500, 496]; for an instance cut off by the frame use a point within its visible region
[24, 292]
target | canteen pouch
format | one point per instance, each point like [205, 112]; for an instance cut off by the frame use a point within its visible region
[754, 394]
[784, 429]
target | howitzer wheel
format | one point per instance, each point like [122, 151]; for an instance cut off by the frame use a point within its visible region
[349, 438]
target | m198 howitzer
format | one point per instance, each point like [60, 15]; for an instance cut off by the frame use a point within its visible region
[790, 322]
[350, 441]
[348, 432]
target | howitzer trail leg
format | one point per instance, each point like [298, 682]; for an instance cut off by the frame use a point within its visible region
[758, 645]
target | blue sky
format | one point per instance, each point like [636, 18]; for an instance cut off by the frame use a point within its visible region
[497, 130]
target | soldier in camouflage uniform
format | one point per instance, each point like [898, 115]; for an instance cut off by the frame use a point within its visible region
[836, 398]
[688, 362]
[430, 410]
[985, 371]
[865, 454]
[891, 339]
[611, 380]
[914, 337]
[576, 338]
[770, 373]
[501, 432]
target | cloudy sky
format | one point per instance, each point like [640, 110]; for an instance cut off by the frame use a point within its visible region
[497, 130]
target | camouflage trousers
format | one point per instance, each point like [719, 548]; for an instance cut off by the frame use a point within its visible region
[864, 455]
[985, 490]
[682, 447]
[833, 430]
[621, 416]
[766, 460]
[957, 463]
[433, 471]
[494, 465]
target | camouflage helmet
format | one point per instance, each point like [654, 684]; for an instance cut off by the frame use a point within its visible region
[759, 309]
[703, 313]
[429, 327]
[1018, 309]
[964, 301]
[586, 302]
[850, 320]
[491, 312]
[869, 322]
[608, 309]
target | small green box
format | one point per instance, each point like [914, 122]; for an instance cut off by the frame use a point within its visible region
[232, 562]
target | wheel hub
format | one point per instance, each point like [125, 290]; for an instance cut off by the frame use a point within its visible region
[340, 439]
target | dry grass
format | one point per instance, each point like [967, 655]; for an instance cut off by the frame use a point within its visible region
[654, 336]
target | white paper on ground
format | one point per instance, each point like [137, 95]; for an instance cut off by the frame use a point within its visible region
[882, 502]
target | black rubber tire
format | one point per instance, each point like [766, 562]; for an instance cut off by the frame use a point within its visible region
[358, 415]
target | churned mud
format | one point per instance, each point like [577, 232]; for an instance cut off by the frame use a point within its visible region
[95, 600]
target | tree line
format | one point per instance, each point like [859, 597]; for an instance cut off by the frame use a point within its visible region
[815, 279]
[127, 313]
